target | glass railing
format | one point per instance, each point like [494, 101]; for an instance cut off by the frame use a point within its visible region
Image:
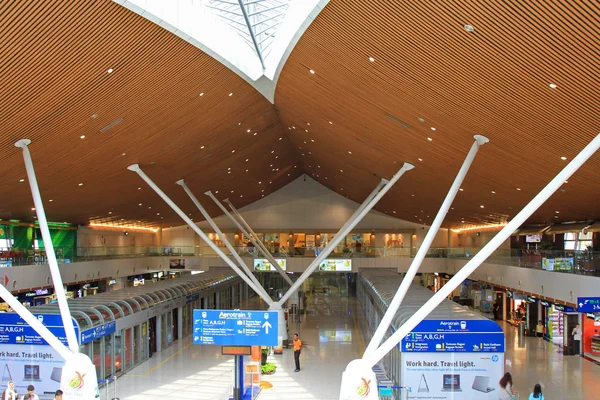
[565, 261]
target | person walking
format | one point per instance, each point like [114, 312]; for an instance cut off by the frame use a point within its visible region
[297, 350]
[537, 393]
[577, 338]
[539, 333]
[10, 393]
[58, 395]
[31, 393]
[506, 390]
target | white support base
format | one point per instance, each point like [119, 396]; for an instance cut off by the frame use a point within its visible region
[359, 382]
[78, 380]
[281, 325]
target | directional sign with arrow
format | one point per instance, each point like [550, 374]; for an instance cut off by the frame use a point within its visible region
[588, 304]
[235, 327]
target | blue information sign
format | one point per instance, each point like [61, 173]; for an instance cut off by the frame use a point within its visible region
[14, 330]
[235, 328]
[455, 336]
[97, 332]
[588, 304]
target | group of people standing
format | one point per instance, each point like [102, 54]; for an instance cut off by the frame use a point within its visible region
[10, 393]
[508, 393]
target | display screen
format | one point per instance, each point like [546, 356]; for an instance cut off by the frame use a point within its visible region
[533, 238]
[336, 265]
[261, 264]
[236, 350]
[344, 336]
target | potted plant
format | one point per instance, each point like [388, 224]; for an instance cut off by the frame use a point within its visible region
[268, 369]
[263, 356]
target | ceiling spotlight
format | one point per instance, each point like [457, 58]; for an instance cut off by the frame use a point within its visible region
[230, 94]
[110, 70]
[140, 204]
[255, 133]
[82, 137]
[552, 86]
[469, 28]
[482, 206]
[201, 94]
[349, 152]
[21, 180]
[518, 188]
[110, 212]
[280, 138]
[94, 116]
[563, 158]
[421, 119]
[248, 130]
[557, 212]
[50, 200]
[201, 147]
[371, 59]
[493, 192]
[341, 170]
[420, 159]
[430, 139]
[123, 154]
[432, 128]
[311, 71]
[81, 184]
[461, 189]
[33, 209]
[330, 123]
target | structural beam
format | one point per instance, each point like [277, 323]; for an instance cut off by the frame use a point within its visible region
[218, 231]
[136, 168]
[256, 244]
[59, 288]
[483, 254]
[424, 248]
[375, 196]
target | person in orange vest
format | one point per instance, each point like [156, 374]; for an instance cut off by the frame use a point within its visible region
[297, 350]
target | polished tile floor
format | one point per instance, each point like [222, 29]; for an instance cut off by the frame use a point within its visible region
[331, 339]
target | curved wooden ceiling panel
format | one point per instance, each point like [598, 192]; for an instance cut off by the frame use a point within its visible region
[387, 73]
[165, 104]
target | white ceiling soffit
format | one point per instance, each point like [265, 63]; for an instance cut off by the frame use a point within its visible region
[253, 38]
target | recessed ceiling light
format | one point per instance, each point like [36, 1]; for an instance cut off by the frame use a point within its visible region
[432, 128]
[556, 216]
[232, 191]
[262, 195]
[201, 147]
[233, 151]
[482, 206]
[293, 127]
[311, 71]
[330, 123]
[280, 138]
[262, 190]
[94, 116]
[247, 159]
[230, 94]
[341, 170]
[50, 200]
[229, 169]
[81, 184]
[241, 195]
[248, 130]
[412, 195]
[306, 130]
[228, 172]
[563, 158]
[461, 189]
[216, 191]
[110, 212]
[469, 28]
[349, 152]
[394, 212]
[201, 94]
[123, 154]
[308, 123]
[110, 70]
[430, 139]
[272, 151]
[553, 85]
[140, 204]
[246, 170]
[82, 137]
[518, 188]
[340, 188]
[157, 213]
[493, 192]
[33, 209]
[21, 180]
[289, 174]
[420, 159]
[371, 59]
[255, 133]
[420, 119]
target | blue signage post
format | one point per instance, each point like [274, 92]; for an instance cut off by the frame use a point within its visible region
[235, 328]
[588, 304]
[97, 332]
[469, 336]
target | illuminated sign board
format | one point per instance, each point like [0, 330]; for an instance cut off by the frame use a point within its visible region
[236, 350]
[336, 265]
[261, 264]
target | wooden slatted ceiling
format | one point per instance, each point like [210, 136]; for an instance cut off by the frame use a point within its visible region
[493, 81]
[56, 88]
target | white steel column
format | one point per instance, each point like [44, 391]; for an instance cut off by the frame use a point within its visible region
[267, 254]
[136, 168]
[59, 289]
[213, 225]
[344, 231]
[420, 256]
[483, 254]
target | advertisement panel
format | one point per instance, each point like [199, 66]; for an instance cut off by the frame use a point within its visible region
[336, 265]
[452, 376]
[548, 264]
[37, 365]
[261, 264]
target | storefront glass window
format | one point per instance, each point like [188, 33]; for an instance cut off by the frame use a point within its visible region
[578, 240]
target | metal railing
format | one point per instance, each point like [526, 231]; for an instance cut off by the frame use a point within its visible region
[583, 262]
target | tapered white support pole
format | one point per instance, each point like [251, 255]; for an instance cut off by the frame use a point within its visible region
[136, 168]
[344, 231]
[420, 256]
[265, 296]
[266, 254]
[484, 253]
[32, 321]
[59, 289]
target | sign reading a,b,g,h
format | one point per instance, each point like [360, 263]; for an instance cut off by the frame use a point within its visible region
[235, 327]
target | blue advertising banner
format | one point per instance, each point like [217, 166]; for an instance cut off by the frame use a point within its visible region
[97, 332]
[588, 304]
[14, 330]
[455, 336]
[235, 328]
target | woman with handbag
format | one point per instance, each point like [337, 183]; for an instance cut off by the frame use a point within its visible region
[506, 390]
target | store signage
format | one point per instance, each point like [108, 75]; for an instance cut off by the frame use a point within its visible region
[336, 265]
[89, 335]
[261, 264]
[532, 299]
[235, 328]
[562, 308]
[236, 350]
[433, 336]
[41, 292]
[588, 304]
[545, 303]
[590, 315]
[14, 330]
[112, 282]
[509, 294]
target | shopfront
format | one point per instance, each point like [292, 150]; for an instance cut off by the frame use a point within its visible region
[591, 336]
